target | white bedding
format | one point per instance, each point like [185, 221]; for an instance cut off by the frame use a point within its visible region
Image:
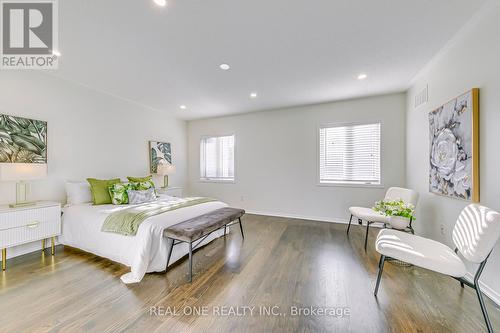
[145, 252]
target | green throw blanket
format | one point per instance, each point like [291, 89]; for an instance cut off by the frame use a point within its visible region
[127, 221]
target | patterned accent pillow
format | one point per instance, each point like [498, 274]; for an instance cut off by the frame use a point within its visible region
[118, 193]
[145, 185]
[141, 196]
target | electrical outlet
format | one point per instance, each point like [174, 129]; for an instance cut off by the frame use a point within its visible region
[242, 198]
[442, 229]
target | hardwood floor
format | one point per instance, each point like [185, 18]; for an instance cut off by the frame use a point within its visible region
[281, 263]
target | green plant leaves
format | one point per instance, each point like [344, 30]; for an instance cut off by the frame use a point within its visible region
[28, 142]
[395, 208]
[154, 160]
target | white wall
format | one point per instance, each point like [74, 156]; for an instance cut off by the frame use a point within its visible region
[90, 134]
[470, 60]
[276, 157]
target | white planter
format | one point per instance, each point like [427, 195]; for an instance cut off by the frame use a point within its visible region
[399, 222]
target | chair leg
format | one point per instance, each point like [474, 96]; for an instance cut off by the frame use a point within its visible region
[366, 236]
[171, 241]
[380, 270]
[190, 262]
[241, 228]
[456, 251]
[483, 308]
[349, 226]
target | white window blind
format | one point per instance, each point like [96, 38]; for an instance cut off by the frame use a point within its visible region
[217, 158]
[349, 154]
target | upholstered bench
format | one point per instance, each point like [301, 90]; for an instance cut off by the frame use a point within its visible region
[199, 228]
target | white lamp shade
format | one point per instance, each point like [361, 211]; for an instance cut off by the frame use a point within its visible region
[165, 169]
[22, 171]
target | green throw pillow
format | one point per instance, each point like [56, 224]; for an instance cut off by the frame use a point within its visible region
[118, 193]
[141, 186]
[100, 191]
[139, 179]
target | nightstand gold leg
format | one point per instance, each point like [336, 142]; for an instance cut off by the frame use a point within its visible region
[43, 245]
[52, 250]
[4, 259]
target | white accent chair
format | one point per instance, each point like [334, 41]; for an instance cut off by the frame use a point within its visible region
[475, 234]
[371, 216]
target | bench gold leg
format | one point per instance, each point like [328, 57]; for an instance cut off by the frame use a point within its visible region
[52, 249]
[43, 245]
[4, 259]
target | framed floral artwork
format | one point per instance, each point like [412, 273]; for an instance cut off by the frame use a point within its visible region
[454, 148]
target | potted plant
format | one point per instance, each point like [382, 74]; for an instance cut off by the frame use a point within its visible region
[400, 213]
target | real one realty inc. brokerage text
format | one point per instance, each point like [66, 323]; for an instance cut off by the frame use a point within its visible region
[250, 311]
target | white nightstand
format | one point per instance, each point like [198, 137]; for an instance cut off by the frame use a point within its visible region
[172, 191]
[23, 225]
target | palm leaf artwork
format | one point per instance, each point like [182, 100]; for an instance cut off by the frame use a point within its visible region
[22, 140]
[159, 151]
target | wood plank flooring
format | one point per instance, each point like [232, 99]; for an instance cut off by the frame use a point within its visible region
[282, 263]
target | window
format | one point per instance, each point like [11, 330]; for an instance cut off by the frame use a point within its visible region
[349, 154]
[217, 158]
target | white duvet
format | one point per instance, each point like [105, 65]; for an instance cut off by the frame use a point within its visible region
[145, 252]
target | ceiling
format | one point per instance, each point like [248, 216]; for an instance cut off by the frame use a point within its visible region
[291, 52]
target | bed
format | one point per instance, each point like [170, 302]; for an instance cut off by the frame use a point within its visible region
[145, 252]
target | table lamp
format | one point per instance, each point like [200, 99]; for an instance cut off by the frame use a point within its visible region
[164, 169]
[22, 173]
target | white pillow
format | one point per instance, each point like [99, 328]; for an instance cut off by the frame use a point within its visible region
[78, 193]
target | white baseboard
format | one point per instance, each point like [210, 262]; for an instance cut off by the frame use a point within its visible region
[487, 290]
[297, 216]
[307, 217]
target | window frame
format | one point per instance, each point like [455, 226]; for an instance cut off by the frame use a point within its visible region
[343, 183]
[216, 180]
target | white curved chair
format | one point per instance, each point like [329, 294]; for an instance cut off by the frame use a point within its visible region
[371, 216]
[475, 234]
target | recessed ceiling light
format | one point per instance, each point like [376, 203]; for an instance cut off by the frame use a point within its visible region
[183, 107]
[224, 67]
[161, 3]
[362, 76]
[56, 53]
[253, 94]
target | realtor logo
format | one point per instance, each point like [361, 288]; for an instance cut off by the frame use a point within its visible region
[29, 34]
